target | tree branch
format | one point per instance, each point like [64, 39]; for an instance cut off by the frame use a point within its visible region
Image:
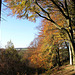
[66, 8]
[61, 4]
[42, 9]
[60, 9]
[59, 27]
[42, 16]
[4, 5]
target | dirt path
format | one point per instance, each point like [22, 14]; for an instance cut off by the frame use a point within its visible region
[65, 70]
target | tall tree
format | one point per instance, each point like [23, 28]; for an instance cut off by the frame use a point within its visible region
[30, 9]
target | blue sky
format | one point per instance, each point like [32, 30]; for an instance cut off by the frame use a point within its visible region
[20, 31]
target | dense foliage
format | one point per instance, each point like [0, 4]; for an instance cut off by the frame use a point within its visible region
[13, 62]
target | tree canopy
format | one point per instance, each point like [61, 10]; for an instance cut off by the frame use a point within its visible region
[31, 9]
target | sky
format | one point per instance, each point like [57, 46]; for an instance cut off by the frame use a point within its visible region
[20, 31]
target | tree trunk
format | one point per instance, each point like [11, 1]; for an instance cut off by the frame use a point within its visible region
[0, 9]
[70, 54]
[74, 58]
[73, 53]
[59, 58]
[67, 50]
[36, 72]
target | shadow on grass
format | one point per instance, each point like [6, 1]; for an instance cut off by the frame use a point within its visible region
[73, 74]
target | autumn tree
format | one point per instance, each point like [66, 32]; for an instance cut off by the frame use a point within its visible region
[31, 9]
[48, 45]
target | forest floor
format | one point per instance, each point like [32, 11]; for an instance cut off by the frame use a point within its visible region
[65, 70]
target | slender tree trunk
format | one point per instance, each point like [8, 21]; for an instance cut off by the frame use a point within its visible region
[74, 57]
[73, 18]
[70, 53]
[0, 9]
[67, 50]
[59, 58]
[73, 53]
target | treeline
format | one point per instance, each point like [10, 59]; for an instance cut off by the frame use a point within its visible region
[14, 63]
[50, 49]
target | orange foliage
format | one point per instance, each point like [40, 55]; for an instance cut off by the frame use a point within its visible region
[48, 35]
